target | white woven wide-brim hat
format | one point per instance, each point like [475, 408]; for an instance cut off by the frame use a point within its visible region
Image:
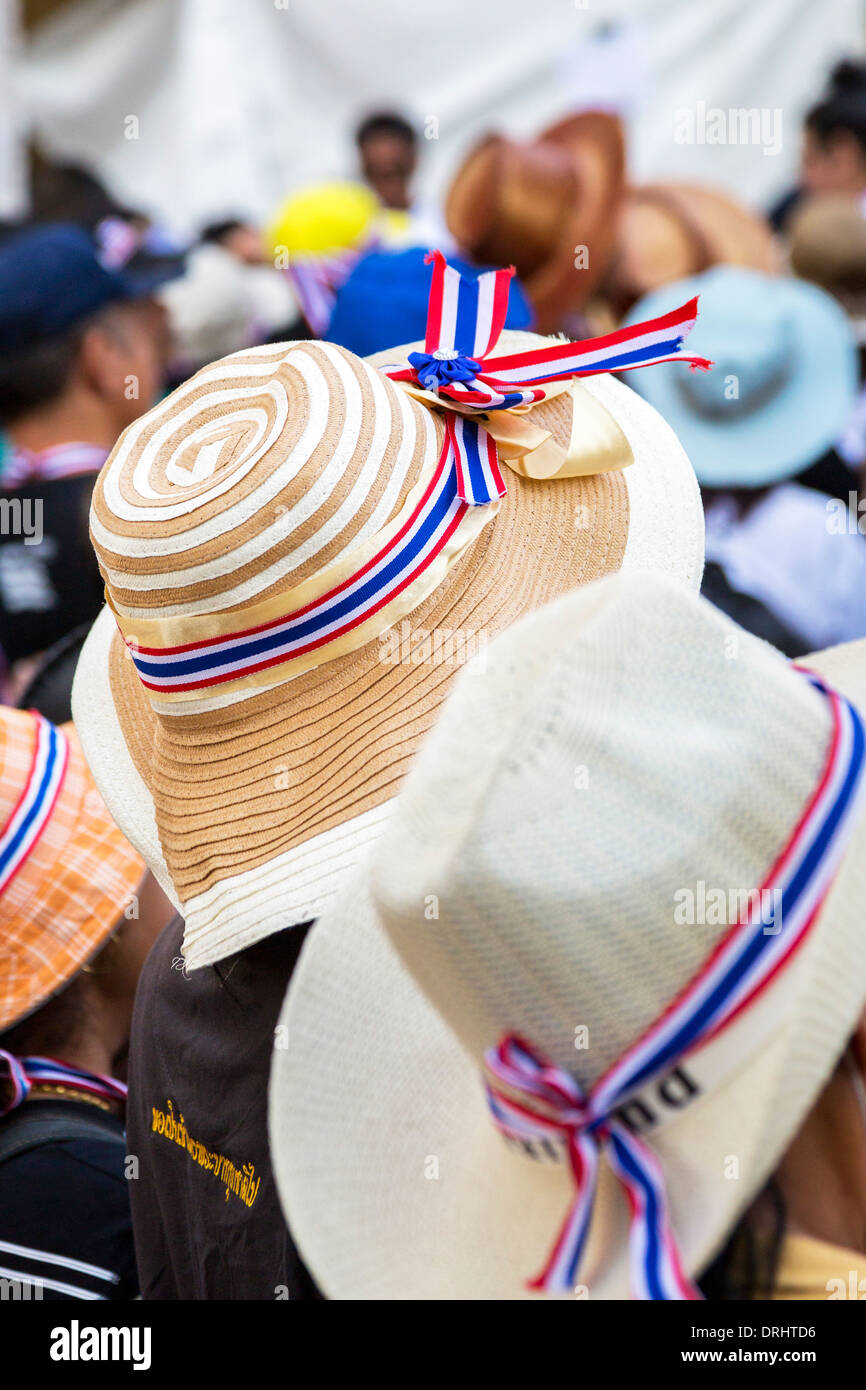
[619, 749]
[260, 482]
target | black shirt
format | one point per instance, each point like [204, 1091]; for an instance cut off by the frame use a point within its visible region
[206, 1215]
[64, 1211]
[49, 578]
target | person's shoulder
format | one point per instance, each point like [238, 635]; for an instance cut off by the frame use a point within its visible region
[77, 1161]
[66, 1224]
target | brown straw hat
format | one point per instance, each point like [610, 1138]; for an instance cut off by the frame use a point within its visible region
[668, 231]
[261, 475]
[534, 204]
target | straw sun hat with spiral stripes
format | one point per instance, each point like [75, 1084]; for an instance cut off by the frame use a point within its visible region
[247, 716]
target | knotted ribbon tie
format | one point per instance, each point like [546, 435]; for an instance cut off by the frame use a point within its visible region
[532, 1100]
[457, 372]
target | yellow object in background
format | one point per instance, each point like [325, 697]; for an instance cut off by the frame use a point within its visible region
[326, 217]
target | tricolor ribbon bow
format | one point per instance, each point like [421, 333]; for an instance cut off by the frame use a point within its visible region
[464, 321]
[534, 1101]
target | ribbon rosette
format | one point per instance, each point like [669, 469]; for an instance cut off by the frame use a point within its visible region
[456, 371]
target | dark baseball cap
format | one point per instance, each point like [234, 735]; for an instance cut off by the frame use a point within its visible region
[51, 279]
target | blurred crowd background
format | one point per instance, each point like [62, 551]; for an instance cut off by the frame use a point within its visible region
[181, 180]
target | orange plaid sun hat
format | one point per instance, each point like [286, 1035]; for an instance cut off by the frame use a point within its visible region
[66, 872]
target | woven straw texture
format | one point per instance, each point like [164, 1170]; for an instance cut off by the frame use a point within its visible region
[236, 796]
[622, 745]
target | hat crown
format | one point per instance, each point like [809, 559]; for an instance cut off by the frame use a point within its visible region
[628, 753]
[260, 472]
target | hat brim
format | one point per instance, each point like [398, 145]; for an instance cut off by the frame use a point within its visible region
[145, 275]
[76, 899]
[804, 418]
[392, 1177]
[670, 230]
[355, 723]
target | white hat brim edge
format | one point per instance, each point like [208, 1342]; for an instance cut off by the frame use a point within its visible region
[396, 1185]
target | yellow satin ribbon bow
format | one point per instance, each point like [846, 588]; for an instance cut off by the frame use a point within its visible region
[597, 443]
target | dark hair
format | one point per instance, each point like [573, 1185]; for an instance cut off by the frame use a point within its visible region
[747, 1265]
[843, 106]
[70, 193]
[50, 1029]
[218, 231]
[49, 689]
[36, 376]
[386, 123]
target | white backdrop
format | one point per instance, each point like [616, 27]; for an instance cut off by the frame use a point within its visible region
[234, 102]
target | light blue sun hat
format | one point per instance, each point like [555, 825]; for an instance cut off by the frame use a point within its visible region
[783, 382]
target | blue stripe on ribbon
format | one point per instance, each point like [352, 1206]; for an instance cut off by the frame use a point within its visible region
[513, 398]
[466, 321]
[309, 626]
[761, 941]
[643, 354]
[580, 1243]
[652, 1215]
[478, 489]
[603, 364]
[11, 847]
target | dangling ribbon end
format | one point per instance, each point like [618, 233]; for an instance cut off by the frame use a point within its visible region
[536, 1285]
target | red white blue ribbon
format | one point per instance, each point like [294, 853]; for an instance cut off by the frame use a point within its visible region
[214, 661]
[462, 313]
[26, 1072]
[464, 321]
[33, 809]
[532, 1100]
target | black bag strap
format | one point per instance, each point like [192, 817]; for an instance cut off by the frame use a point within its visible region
[27, 1129]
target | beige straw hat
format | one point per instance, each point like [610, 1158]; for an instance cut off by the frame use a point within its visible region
[668, 231]
[623, 746]
[268, 471]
